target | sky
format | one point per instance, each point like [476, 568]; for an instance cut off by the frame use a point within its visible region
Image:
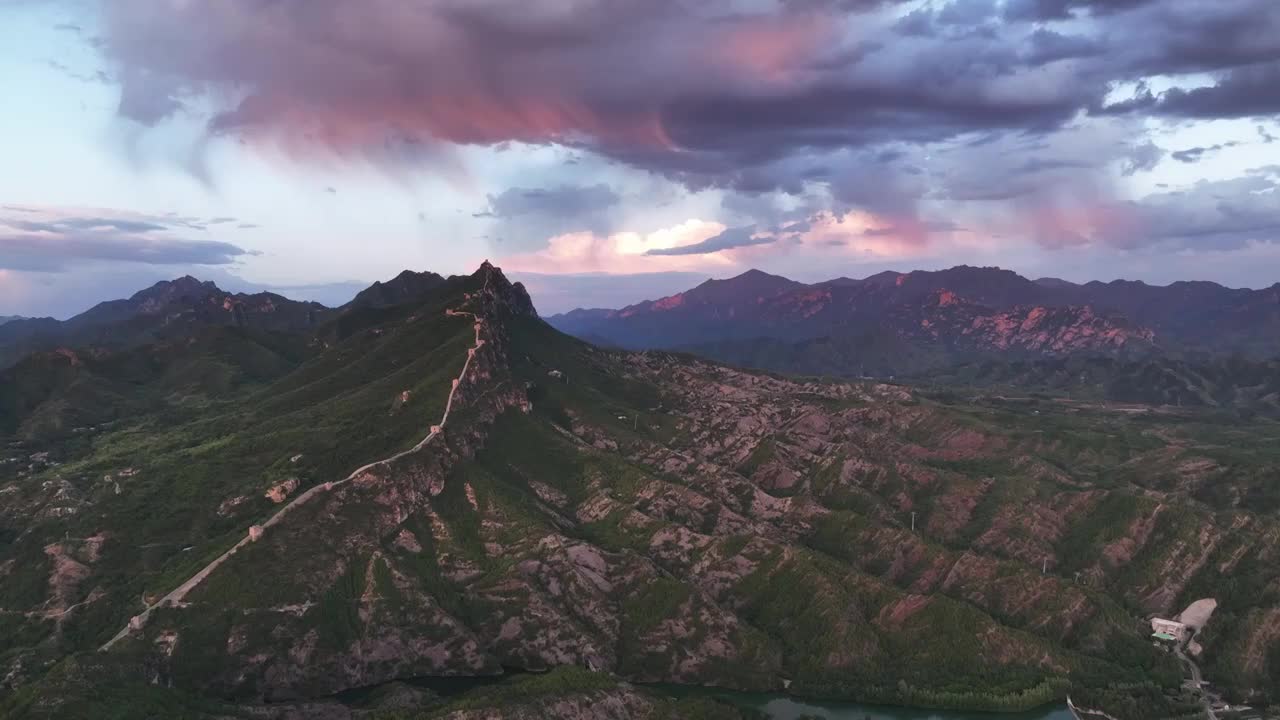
[608, 151]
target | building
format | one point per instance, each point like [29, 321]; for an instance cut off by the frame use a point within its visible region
[1168, 630]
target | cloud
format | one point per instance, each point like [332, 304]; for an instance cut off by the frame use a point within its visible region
[1214, 215]
[1041, 10]
[698, 91]
[1195, 154]
[1252, 91]
[562, 200]
[710, 247]
[53, 240]
[727, 240]
[1022, 121]
[1141, 158]
[523, 217]
[1045, 46]
[622, 252]
[1209, 216]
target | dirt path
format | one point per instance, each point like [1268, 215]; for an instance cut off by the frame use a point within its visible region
[179, 593]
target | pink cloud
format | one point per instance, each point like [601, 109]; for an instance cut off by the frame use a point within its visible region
[346, 77]
[840, 237]
[623, 252]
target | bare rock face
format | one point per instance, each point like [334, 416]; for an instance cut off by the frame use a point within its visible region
[280, 491]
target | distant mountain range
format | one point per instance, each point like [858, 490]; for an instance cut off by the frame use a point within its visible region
[183, 307]
[908, 322]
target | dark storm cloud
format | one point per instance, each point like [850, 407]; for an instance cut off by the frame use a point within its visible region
[1041, 10]
[850, 96]
[1246, 92]
[727, 240]
[698, 91]
[43, 240]
[1046, 46]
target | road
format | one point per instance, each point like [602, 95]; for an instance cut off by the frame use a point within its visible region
[1195, 678]
[179, 593]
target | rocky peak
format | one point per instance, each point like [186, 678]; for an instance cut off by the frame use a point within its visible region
[185, 285]
[507, 296]
[167, 291]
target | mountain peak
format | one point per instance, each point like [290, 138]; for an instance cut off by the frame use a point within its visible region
[755, 274]
[508, 295]
[167, 291]
[751, 283]
[1054, 283]
[184, 284]
[405, 286]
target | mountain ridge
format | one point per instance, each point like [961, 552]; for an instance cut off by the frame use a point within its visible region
[179, 307]
[1199, 317]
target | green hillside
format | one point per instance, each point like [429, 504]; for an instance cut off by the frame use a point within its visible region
[647, 517]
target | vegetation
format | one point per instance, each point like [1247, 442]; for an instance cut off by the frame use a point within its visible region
[615, 511]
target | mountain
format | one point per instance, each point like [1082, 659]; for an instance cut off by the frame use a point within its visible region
[938, 333]
[1200, 315]
[181, 308]
[402, 288]
[987, 312]
[170, 309]
[10, 318]
[451, 488]
[713, 309]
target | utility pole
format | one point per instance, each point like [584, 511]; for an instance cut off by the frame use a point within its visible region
[1044, 566]
[913, 521]
[635, 422]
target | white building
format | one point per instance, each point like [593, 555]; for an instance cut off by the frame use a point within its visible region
[1171, 630]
